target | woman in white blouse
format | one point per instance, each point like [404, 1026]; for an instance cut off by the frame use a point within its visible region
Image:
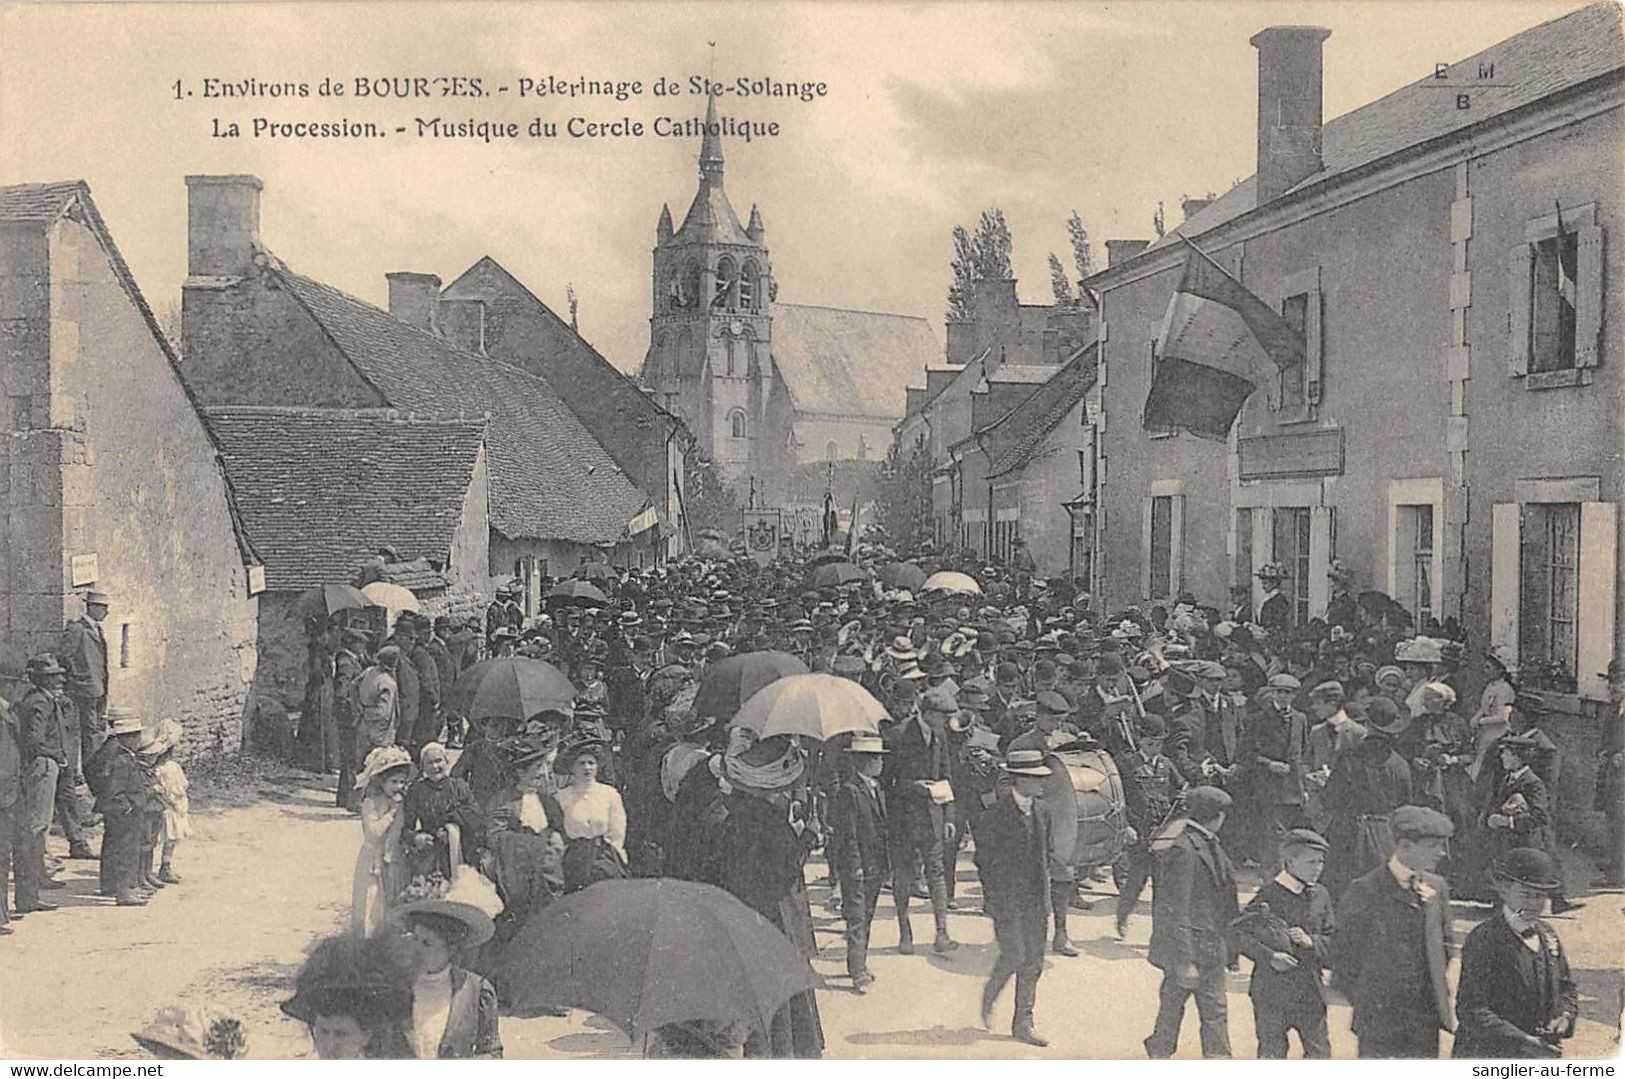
[594, 822]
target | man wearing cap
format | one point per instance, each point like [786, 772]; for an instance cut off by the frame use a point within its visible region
[1151, 788]
[1276, 751]
[43, 731]
[858, 845]
[917, 785]
[348, 664]
[1393, 943]
[1287, 932]
[503, 611]
[1013, 860]
[1516, 996]
[1331, 731]
[1193, 903]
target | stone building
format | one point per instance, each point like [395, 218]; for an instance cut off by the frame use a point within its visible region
[110, 479]
[765, 385]
[257, 333]
[1455, 432]
[321, 490]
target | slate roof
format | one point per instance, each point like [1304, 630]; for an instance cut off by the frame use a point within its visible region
[1025, 427]
[1536, 63]
[320, 490]
[854, 362]
[550, 478]
[711, 219]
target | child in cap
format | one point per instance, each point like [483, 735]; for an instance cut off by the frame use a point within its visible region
[1286, 930]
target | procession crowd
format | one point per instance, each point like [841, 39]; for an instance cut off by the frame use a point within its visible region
[501, 766]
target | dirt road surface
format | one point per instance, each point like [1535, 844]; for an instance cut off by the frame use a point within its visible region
[267, 872]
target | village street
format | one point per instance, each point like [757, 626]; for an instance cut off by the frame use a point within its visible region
[267, 875]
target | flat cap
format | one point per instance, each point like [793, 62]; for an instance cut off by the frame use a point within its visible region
[1205, 668]
[1420, 822]
[1054, 704]
[1305, 837]
[1327, 689]
[1204, 803]
[1284, 681]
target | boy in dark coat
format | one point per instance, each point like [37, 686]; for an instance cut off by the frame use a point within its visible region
[123, 789]
[1516, 997]
[1394, 943]
[1193, 904]
[1013, 859]
[1287, 932]
[859, 849]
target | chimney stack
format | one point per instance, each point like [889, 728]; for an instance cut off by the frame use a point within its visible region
[462, 324]
[1289, 107]
[415, 298]
[1189, 208]
[1122, 250]
[222, 225]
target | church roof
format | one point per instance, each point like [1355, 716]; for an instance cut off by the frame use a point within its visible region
[550, 478]
[321, 489]
[711, 218]
[851, 362]
[1529, 66]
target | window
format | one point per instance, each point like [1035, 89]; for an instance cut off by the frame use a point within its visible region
[722, 295]
[1152, 431]
[732, 345]
[1550, 571]
[124, 645]
[688, 296]
[1414, 582]
[1291, 550]
[747, 287]
[1162, 531]
[1552, 303]
[1298, 391]
[1292, 400]
[1242, 573]
[736, 423]
[829, 450]
[1162, 523]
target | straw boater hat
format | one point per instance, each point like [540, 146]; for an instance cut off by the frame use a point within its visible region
[123, 721]
[194, 1034]
[867, 744]
[381, 760]
[1025, 762]
[470, 900]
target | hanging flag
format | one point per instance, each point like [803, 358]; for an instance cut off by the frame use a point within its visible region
[832, 522]
[1218, 344]
[852, 530]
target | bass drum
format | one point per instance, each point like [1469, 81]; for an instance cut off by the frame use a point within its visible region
[1085, 795]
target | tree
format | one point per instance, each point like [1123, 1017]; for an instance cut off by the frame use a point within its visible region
[984, 255]
[1082, 257]
[707, 499]
[903, 502]
[1157, 220]
[964, 274]
[1060, 284]
[993, 246]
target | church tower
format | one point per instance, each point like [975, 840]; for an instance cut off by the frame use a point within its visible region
[710, 331]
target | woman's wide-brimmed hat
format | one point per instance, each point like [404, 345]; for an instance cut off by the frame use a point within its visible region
[766, 766]
[369, 980]
[161, 739]
[471, 899]
[194, 1034]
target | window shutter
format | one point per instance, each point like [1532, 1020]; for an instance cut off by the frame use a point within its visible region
[1320, 559]
[1520, 274]
[1145, 547]
[1505, 580]
[1311, 353]
[1599, 540]
[1176, 545]
[1588, 306]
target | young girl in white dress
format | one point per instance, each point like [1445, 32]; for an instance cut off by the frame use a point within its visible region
[378, 866]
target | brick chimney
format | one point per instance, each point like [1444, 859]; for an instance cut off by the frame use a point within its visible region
[222, 225]
[462, 324]
[415, 298]
[1189, 208]
[1122, 250]
[1289, 107]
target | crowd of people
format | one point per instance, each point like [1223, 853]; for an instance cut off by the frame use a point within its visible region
[1339, 759]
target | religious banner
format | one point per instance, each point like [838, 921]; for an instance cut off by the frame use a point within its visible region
[763, 532]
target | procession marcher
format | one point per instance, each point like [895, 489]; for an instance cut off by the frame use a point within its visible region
[1275, 610]
[1332, 730]
[1369, 781]
[1013, 859]
[1519, 813]
[377, 703]
[348, 665]
[445, 665]
[1277, 740]
[1394, 942]
[594, 819]
[442, 825]
[409, 695]
[526, 842]
[380, 864]
[1193, 904]
[430, 723]
[454, 1011]
[123, 794]
[42, 743]
[1152, 788]
[859, 846]
[355, 997]
[1051, 732]
[1516, 996]
[1286, 929]
[917, 785]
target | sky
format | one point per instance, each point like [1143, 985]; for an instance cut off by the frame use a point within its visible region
[931, 114]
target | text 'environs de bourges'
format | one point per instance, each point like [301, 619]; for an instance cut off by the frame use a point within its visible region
[495, 131]
[419, 87]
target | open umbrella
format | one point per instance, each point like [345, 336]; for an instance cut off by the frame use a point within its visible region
[595, 571]
[812, 705]
[393, 598]
[960, 584]
[579, 593]
[327, 600]
[835, 574]
[904, 575]
[511, 687]
[729, 683]
[828, 555]
[644, 953]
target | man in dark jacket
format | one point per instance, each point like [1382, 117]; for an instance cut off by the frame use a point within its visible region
[43, 725]
[424, 665]
[916, 776]
[858, 846]
[1287, 932]
[1276, 751]
[123, 796]
[1013, 859]
[349, 661]
[83, 651]
[1516, 996]
[1193, 903]
[409, 693]
[1393, 943]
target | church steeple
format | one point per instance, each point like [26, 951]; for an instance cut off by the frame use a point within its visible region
[711, 144]
[663, 226]
[754, 230]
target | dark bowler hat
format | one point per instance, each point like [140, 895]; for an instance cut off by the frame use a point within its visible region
[1420, 822]
[1528, 866]
[1304, 837]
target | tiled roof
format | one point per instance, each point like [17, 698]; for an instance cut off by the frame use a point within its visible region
[418, 575]
[1026, 426]
[550, 479]
[41, 203]
[320, 490]
[1027, 374]
[834, 360]
[1536, 63]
